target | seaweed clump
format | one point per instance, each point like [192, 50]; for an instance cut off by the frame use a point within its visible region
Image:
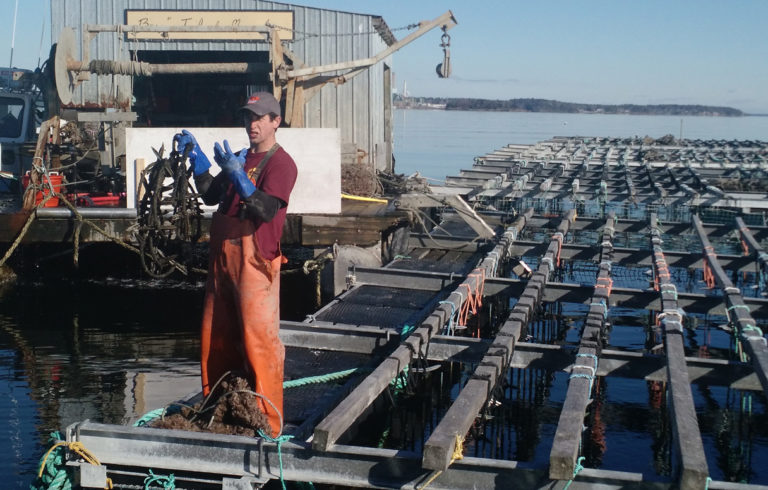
[231, 408]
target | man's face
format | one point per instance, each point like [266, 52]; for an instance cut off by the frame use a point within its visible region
[260, 128]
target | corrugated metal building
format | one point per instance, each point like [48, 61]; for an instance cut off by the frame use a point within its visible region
[360, 108]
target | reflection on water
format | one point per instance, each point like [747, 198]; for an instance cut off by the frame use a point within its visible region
[97, 351]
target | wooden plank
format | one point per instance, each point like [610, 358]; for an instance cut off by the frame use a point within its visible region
[687, 438]
[139, 166]
[567, 440]
[565, 446]
[322, 230]
[737, 310]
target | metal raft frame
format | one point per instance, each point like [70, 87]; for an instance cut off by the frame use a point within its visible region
[320, 452]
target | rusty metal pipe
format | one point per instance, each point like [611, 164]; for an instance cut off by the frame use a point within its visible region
[139, 68]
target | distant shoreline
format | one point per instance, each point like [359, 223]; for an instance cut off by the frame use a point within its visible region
[558, 107]
[593, 113]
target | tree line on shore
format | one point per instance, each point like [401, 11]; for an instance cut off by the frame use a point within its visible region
[546, 105]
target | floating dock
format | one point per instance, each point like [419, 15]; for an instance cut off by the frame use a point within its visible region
[587, 230]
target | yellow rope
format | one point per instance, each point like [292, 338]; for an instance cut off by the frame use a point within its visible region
[458, 449]
[361, 198]
[458, 453]
[77, 448]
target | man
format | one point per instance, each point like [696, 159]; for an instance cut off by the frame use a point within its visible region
[241, 310]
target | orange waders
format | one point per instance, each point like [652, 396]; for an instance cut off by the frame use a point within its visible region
[241, 314]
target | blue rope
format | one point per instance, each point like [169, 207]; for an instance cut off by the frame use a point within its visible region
[449, 326]
[592, 356]
[590, 377]
[605, 308]
[586, 376]
[279, 441]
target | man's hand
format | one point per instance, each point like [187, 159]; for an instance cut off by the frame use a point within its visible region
[232, 165]
[197, 159]
[227, 159]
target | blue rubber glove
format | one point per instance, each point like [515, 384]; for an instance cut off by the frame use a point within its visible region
[232, 165]
[197, 159]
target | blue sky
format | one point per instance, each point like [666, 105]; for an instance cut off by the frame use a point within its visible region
[601, 51]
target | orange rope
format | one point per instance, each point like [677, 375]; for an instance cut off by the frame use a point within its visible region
[604, 282]
[744, 246]
[709, 276]
[474, 297]
[468, 304]
[559, 238]
[480, 285]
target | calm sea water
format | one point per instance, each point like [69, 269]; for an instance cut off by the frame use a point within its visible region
[440, 143]
[111, 350]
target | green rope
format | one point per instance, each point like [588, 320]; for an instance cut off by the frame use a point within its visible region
[321, 378]
[737, 306]
[406, 330]
[576, 471]
[400, 382]
[149, 417]
[749, 327]
[706, 484]
[668, 291]
[167, 482]
[384, 436]
[279, 441]
[54, 475]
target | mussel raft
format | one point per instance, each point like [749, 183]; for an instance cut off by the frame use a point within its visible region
[609, 333]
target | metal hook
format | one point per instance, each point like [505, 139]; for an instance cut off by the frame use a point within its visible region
[444, 69]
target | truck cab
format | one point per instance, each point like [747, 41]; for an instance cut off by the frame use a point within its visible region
[17, 126]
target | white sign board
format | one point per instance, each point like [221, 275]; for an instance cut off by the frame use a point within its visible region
[316, 151]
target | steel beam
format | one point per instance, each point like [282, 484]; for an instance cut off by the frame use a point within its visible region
[641, 226]
[328, 432]
[626, 297]
[632, 256]
[439, 449]
[445, 348]
[199, 458]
